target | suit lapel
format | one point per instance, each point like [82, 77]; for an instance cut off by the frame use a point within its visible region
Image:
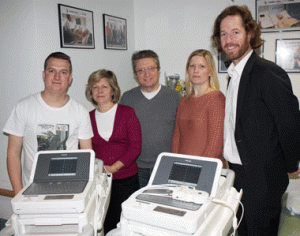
[243, 84]
[229, 78]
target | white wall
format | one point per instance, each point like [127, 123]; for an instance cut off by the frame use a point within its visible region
[29, 33]
[175, 28]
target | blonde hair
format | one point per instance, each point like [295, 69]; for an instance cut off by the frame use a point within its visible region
[112, 80]
[213, 79]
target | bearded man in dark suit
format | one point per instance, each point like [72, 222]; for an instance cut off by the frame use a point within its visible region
[262, 122]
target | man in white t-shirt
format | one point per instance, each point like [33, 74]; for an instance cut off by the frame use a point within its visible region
[48, 120]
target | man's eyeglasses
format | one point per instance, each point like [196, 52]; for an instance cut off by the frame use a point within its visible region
[149, 69]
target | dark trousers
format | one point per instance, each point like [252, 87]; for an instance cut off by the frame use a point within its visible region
[257, 220]
[144, 176]
[121, 189]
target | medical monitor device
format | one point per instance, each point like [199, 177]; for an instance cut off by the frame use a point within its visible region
[60, 182]
[201, 173]
[176, 197]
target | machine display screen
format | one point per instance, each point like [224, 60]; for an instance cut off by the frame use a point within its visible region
[62, 166]
[185, 174]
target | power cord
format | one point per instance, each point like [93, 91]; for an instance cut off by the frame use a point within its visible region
[235, 223]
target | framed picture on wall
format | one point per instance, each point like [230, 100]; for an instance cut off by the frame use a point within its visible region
[288, 54]
[115, 32]
[280, 15]
[223, 63]
[260, 51]
[76, 27]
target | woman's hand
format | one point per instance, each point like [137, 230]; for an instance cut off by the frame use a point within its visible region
[114, 168]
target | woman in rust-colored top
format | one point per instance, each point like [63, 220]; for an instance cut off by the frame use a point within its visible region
[199, 123]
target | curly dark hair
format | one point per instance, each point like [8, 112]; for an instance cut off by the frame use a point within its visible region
[249, 23]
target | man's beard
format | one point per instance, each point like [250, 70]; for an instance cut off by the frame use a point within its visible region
[236, 54]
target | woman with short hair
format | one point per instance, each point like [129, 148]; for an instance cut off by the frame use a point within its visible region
[117, 140]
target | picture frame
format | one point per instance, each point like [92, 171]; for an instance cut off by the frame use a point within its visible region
[115, 32]
[76, 27]
[280, 15]
[261, 50]
[223, 63]
[288, 54]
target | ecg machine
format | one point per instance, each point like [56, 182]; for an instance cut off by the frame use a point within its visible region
[60, 182]
[68, 194]
[178, 199]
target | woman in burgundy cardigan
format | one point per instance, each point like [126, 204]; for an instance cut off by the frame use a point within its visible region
[117, 140]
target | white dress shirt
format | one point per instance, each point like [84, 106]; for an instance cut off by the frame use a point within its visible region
[230, 152]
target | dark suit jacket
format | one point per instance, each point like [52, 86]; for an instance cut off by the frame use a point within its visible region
[267, 130]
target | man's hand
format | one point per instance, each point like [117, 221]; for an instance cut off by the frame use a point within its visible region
[296, 172]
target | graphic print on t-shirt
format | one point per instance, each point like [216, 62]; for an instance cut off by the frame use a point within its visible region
[52, 137]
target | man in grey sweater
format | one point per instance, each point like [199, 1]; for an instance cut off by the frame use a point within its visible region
[155, 105]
